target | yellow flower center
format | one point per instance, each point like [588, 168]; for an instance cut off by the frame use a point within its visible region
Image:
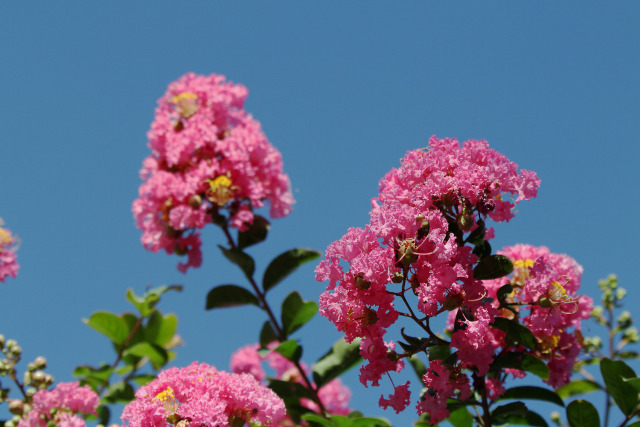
[521, 271]
[521, 263]
[186, 104]
[557, 292]
[5, 239]
[168, 399]
[547, 344]
[220, 190]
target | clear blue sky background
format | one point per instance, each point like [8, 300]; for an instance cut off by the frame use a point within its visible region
[343, 90]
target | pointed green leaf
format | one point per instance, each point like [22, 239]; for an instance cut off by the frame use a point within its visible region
[156, 354]
[532, 392]
[289, 390]
[119, 392]
[368, 422]
[581, 413]
[102, 373]
[492, 267]
[577, 387]
[514, 408]
[439, 352]
[529, 418]
[477, 235]
[522, 361]
[267, 335]
[229, 296]
[516, 333]
[461, 418]
[110, 325]
[634, 382]
[241, 259]
[342, 357]
[419, 367]
[614, 372]
[285, 264]
[146, 303]
[317, 419]
[290, 350]
[482, 249]
[256, 233]
[503, 293]
[160, 329]
[296, 312]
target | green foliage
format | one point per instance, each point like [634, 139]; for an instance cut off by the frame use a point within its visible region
[342, 421]
[522, 361]
[110, 325]
[146, 303]
[581, 413]
[342, 357]
[285, 264]
[296, 312]
[290, 349]
[492, 267]
[241, 259]
[578, 387]
[532, 392]
[516, 333]
[229, 296]
[614, 373]
[256, 233]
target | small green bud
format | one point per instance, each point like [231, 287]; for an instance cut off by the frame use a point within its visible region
[16, 407]
[397, 277]
[555, 417]
[544, 302]
[371, 316]
[620, 293]
[1, 341]
[631, 335]
[40, 362]
[27, 378]
[37, 378]
[361, 283]
[11, 343]
[392, 355]
[195, 201]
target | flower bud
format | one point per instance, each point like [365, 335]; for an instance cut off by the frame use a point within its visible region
[16, 407]
[392, 355]
[180, 251]
[397, 277]
[37, 378]
[1, 341]
[631, 335]
[371, 316]
[620, 293]
[361, 283]
[11, 343]
[40, 362]
[452, 301]
[195, 201]
[544, 302]
[27, 378]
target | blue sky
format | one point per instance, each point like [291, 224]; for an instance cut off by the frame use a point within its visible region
[343, 90]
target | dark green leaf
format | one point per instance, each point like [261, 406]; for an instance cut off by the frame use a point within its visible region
[296, 312]
[102, 373]
[492, 267]
[419, 367]
[460, 418]
[577, 387]
[156, 354]
[482, 249]
[516, 333]
[636, 424]
[439, 352]
[342, 357]
[614, 372]
[103, 414]
[414, 344]
[477, 235]
[112, 326]
[634, 382]
[503, 293]
[285, 264]
[532, 392]
[290, 350]
[514, 408]
[581, 413]
[267, 335]
[256, 233]
[289, 390]
[522, 361]
[369, 422]
[317, 419]
[241, 259]
[229, 296]
[119, 392]
[160, 329]
[529, 418]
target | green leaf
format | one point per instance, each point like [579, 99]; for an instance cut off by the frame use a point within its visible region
[503, 293]
[624, 394]
[241, 259]
[522, 361]
[532, 392]
[288, 390]
[290, 350]
[229, 296]
[267, 335]
[577, 387]
[342, 357]
[143, 379]
[492, 267]
[285, 264]
[160, 329]
[102, 373]
[146, 303]
[529, 418]
[439, 352]
[119, 392]
[482, 249]
[317, 419]
[581, 413]
[157, 355]
[514, 408]
[419, 367]
[460, 418]
[369, 422]
[110, 325]
[636, 424]
[296, 312]
[132, 320]
[256, 233]
[516, 333]
[634, 382]
[477, 235]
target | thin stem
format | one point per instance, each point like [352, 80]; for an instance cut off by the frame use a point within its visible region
[607, 396]
[486, 416]
[274, 322]
[20, 386]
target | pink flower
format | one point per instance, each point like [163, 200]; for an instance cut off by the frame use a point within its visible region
[399, 400]
[209, 162]
[203, 396]
[8, 258]
[60, 406]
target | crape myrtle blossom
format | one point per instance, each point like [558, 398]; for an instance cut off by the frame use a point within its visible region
[334, 395]
[410, 260]
[199, 395]
[545, 299]
[8, 258]
[208, 157]
[61, 406]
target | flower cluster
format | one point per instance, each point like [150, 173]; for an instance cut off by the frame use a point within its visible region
[412, 260]
[200, 395]
[8, 258]
[334, 395]
[61, 406]
[544, 298]
[208, 157]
